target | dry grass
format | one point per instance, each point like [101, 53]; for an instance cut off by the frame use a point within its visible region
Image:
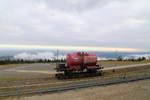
[139, 90]
[6, 65]
[129, 74]
[123, 62]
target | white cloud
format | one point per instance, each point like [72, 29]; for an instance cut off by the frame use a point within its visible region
[110, 23]
[38, 56]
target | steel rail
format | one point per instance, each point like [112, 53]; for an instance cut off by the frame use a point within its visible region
[72, 87]
[61, 82]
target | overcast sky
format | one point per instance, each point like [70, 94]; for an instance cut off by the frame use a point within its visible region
[102, 23]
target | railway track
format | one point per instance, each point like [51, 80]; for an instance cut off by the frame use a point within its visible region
[114, 80]
[51, 85]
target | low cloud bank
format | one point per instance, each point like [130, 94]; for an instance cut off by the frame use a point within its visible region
[105, 58]
[38, 56]
[127, 57]
[52, 56]
[137, 56]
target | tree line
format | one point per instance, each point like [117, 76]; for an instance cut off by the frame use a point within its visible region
[22, 61]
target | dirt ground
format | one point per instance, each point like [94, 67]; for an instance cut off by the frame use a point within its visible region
[18, 71]
[25, 70]
[139, 90]
[135, 91]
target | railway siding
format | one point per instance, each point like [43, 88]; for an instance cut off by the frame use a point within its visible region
[126, 74]
[111, 81]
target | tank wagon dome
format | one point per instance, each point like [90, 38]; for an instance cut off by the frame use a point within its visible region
[79, 58]
[79, 62]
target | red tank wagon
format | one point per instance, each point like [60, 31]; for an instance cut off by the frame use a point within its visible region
[79, 62]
